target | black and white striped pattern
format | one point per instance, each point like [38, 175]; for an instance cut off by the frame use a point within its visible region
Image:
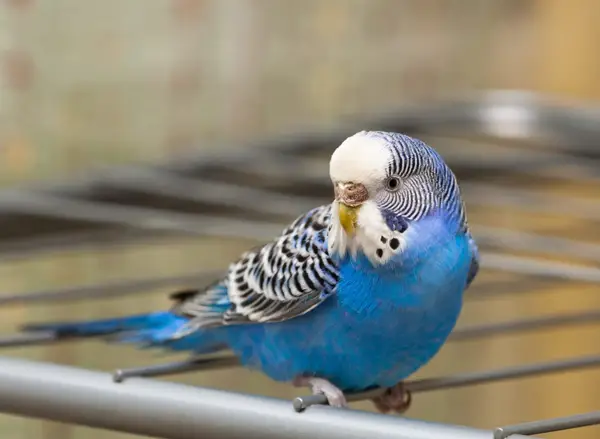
[281, 280]
[204, 307]
[427, 182]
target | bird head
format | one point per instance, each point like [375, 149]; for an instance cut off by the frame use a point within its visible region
[383, 182]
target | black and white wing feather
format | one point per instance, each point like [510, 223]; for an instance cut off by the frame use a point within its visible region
[279, 281]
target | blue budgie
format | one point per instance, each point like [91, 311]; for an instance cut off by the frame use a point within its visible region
[356, 294]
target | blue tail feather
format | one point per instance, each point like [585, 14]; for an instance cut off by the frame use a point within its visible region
[104, 326]
[148, 330]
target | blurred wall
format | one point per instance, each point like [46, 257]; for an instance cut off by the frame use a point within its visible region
[95, 82]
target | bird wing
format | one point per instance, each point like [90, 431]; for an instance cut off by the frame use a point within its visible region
[278, 281]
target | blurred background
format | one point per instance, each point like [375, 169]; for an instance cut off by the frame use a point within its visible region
[87, 85]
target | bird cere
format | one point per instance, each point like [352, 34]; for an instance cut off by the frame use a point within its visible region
[356, 294]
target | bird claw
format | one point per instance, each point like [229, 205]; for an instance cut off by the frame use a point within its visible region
[335, 397]
[395, 398]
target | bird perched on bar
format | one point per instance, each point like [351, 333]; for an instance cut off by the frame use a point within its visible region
[355, 294]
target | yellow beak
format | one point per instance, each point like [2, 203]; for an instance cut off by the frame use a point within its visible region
[348, 216]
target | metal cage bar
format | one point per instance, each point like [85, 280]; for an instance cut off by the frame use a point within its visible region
[565, 131]
[174, 411]
[548, 425]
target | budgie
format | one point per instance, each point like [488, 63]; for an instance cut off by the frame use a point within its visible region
[355, 294]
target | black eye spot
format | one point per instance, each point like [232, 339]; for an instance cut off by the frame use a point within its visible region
[379, 253]
[393, 184]
[383, 239]
[394, 243]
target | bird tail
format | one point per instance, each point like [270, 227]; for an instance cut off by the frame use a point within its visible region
[104, 327]
[147, 330]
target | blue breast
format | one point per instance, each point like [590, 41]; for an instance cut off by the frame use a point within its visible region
[379, 327]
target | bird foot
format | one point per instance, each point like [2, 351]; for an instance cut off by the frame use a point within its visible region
[335, 397]
[396, 399]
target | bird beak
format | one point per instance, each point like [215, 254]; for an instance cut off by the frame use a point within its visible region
[350, 198]
[348, 216]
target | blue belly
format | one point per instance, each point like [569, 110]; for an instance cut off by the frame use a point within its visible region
[377, 330]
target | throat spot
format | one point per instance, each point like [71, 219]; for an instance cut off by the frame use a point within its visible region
[379, 235]
[392, 245]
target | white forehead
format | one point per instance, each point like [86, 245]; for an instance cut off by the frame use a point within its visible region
[360, 159]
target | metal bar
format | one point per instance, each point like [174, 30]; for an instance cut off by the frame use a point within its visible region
[533, 242]
[269, 202]
[176, 367]
[175, 411]
[462, 151]
[118, 288]
[515, 286]
[530, 200]
[530, 266]
[490, 260]
[532, 324]
[521, 371]
[548, 425]
[472, 332]
[27, 339]
[152, 181]
[474, 193]
[467, 333]
[134, 217]
[468, 379]
[477, 112]
[497, 114]
[190, 223]
[15, 249]
[422, 385]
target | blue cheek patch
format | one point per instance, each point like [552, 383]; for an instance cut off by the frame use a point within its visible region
[394, 222]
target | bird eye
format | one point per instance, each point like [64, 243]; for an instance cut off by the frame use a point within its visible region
[393, 184]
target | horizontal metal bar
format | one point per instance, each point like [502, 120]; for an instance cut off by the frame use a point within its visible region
[130, 286]
[109, 289]
[27, 339]
[509, 373]
[415, 386]
[160, 183]
[498, 114]
[536, 267]
[167, 221]
[176, 367]
[477, 111]
[474, 193]
[474, 332]
[533, 242]
[468, 333]
[175, 411]
[530, 200]
[134, 217]
[548, 425]
[269, 203]
[470, 378]
[462, 151]
[15, 249]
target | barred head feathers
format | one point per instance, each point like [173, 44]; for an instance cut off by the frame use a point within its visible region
[405, 180]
